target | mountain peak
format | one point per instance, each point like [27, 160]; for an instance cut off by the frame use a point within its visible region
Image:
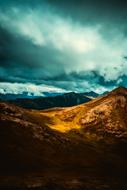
[119, 91]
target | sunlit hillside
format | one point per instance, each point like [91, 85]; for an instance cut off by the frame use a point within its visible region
[105, 114]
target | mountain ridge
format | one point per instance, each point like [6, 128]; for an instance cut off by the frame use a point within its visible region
[65, 100]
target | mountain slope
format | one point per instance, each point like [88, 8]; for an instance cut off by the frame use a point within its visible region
[106, 114]
[27, 143]
[20, 138]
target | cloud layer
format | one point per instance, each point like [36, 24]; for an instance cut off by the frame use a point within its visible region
[55, 44]
[30, 89]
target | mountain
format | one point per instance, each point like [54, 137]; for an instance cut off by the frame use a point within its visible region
[33, 154]
[21, 135]
[91, 94]
[64, 100]
[105, 115]
[10, 96]
[26, 95]
[79, 147]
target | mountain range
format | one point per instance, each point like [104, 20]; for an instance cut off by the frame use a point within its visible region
[26, 95]
[77, 147]
[65, 100]
[56, 100]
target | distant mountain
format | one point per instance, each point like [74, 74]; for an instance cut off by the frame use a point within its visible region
[73, 148]
[64, 100]
[91, 94]
[26, 95]
[14, 96]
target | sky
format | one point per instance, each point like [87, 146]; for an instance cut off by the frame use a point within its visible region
[62, 46]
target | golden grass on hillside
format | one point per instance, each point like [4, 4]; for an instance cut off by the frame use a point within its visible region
[58, 124]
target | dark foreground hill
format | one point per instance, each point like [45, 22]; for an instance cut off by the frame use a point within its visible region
[81, 147]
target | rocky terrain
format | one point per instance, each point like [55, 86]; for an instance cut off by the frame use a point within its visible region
[79, 147]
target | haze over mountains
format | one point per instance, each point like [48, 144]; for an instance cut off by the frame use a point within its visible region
[78, 147]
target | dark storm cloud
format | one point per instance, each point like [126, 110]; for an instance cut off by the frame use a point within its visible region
[20, 57]
[74, 45]
[111, 14]
[93, 10]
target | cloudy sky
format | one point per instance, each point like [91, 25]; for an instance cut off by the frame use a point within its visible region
[63, 45]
